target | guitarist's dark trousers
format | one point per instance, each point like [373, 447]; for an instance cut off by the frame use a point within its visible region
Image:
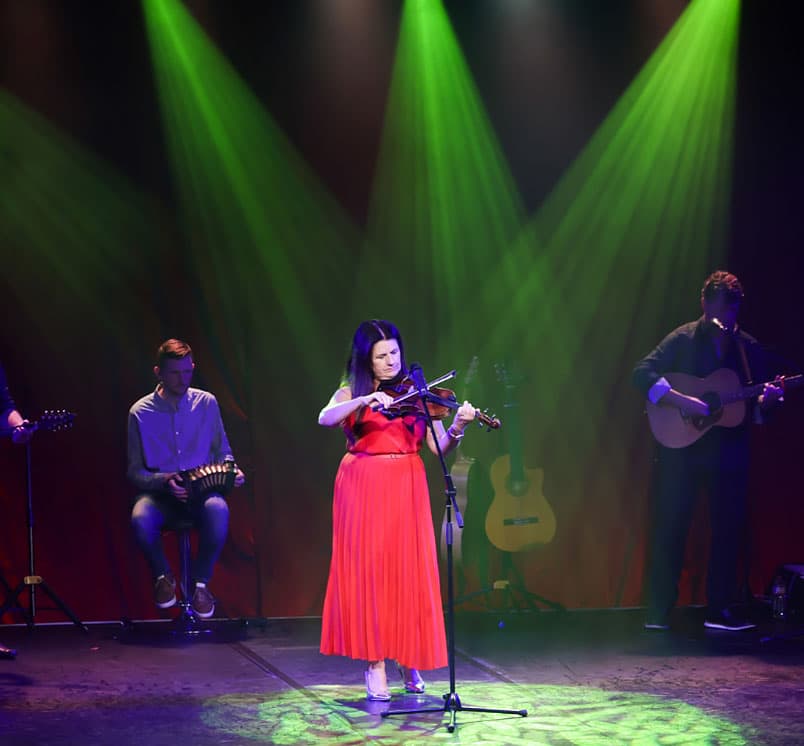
[717, 467]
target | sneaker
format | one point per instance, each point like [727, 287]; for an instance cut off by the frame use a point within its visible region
[203, 602]
[655, 620]
[165, 591]
[728, 621]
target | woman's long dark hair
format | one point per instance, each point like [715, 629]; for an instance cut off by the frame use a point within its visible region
[359, 374]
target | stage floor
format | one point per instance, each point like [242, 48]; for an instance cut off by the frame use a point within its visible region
[584, 678]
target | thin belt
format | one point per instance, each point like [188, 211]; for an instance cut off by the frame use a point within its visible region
[383, 455]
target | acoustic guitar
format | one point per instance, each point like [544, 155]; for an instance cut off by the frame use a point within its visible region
[519, 517]
[461, 468]
[721, 390]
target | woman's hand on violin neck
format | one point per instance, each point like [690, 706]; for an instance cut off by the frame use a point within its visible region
[463, 416]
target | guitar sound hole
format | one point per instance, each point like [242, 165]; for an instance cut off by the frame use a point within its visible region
[712, 400]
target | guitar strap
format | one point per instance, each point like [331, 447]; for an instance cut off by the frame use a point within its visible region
[756, 413]
[744, 360]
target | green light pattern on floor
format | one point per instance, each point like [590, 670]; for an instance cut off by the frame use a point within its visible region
[557, 715]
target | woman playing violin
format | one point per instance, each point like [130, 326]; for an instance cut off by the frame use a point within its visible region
[383, 598]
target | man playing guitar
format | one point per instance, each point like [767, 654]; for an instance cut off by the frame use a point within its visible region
[713, 458]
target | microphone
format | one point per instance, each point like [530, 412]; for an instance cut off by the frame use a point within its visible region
[720, 325]
[417, 376]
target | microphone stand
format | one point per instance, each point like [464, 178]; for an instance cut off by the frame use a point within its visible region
[452, 702]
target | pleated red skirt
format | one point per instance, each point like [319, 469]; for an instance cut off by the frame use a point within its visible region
[383, 596]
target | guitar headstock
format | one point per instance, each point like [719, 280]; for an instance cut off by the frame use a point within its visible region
[55, 419]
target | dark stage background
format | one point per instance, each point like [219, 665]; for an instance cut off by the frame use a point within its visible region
[79, 328]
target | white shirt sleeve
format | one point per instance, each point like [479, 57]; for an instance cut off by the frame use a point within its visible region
[658, 390]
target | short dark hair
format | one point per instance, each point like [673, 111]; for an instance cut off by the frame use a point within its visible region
[359, 372]
[172, 349]
[722, 283]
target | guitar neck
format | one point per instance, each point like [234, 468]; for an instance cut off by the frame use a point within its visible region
[515, 442]
[51, 420]
[749, 392]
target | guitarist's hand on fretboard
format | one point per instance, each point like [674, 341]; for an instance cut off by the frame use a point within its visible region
[22, 433]
[771, 394]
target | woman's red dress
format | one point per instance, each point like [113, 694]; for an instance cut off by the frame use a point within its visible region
[383, 595]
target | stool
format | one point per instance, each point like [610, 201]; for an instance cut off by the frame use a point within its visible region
[187, 620]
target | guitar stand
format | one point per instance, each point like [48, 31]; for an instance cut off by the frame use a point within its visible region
[452, 702]
[32, 580]
[516, 594]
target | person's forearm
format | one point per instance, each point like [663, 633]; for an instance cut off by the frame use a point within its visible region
[149, 481]
[672, 398]
[448, 438]
[336, 412]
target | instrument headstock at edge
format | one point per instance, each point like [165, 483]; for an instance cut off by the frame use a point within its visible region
[53, 420]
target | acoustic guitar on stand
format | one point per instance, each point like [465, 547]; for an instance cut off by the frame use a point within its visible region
[519, 517]
[721, 390]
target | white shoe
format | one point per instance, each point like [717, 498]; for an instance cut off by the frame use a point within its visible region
[377, 685]
[412, 679]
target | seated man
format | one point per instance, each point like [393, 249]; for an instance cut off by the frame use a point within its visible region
[172, 429]
[11, 423]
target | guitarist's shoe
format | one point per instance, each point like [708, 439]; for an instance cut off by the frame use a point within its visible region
[412, 679]
[657, 620]
[728, 621]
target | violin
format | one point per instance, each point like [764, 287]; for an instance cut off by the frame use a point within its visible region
[441, 400]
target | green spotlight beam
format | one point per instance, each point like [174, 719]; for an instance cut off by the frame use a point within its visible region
[444, 206]
[263, 220]
[273, 254]
[617, 251]
[655, 180]
[79, 232]
[643, 209]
